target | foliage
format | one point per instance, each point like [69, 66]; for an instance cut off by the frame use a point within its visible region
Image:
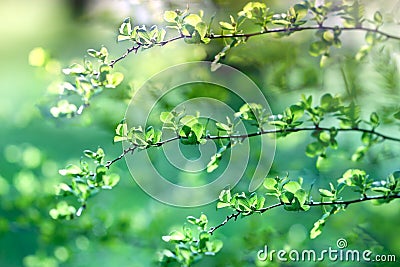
[300, 117]
[327, 121]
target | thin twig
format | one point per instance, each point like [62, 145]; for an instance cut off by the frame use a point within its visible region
[259, 133]
[311, 203]
[136, 47]
[126, 151]
[302, 129]
[299, 29]
[228, 218]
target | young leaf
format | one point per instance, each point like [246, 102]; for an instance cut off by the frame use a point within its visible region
[170, 16]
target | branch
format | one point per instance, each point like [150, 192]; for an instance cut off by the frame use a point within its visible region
[126, 151]
[233, 216]
[310, 203]
[136, 47]
[259, 133]
[303, 129]
[299, 29]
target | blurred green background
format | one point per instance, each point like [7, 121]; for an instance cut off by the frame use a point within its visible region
[123, 227]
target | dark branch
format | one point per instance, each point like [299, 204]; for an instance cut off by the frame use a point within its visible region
[303, 129]
[233, 216]
[299, 29]
[311, 203]
[136, 47]
[259, 133]
[126, 151]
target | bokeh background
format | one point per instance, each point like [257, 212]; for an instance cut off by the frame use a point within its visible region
[123, 227]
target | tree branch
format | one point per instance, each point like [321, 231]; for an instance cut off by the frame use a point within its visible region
[133, 147]
[311, 203]
[303, 129]
[136, 47]
[126, 151]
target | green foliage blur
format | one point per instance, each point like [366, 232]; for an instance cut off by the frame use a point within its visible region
[124, 226]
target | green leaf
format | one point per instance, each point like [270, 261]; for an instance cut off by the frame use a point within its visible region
[317, 229]
[270, 183]
[174, 236]
[360, 152]
[191, 219]
[297, 112]
[201, 28]
[185, 131]
[122, 128]
[221, 205]
[104, 71]
[198, 130]
[100, 172]
[126, 27]
[292, 187]
[215, 246]
[301, 11]
[62, 211]
[189, 120]
[370, 38]
[318, 48]
[222, 126]
[167, 254]
[166, 117]
[325, 136]
[101, 55]
[111, 180]
[260, 202]
[114, 79]
[366, 138]
[64, 190]
[381, 189]
[326, 101]
[225, 195]
[100, 154]
[325, 193]
[90, 154]
[378, 18]
[92, 53]
[350, 177]
[214, 162]
[192, 19]
[374, 118]
[70, 170]
[121, 38]
[161, 35]
[280, 21]
[328, 36]
[226, 26]
[74, 69]
[315, 149]
[119, 139]
[301, 196]
[150, 134]
[170, 16]
[397, 115]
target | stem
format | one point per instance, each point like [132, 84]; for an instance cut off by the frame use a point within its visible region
[311, 203]
[136, 47]
[299, 29]
[126, 151]
[303, 129]
[259, 133]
